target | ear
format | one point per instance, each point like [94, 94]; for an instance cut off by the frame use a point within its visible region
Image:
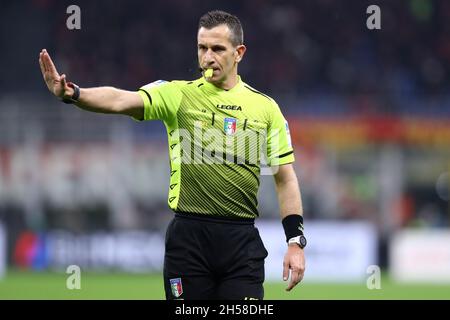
[240, 51]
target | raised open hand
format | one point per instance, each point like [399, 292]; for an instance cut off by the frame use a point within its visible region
[56, 83]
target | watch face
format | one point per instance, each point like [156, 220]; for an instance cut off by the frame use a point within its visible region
[303, 241]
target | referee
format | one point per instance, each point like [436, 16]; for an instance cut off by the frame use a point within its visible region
[212, 248]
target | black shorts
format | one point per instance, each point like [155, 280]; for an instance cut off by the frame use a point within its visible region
[208, 258]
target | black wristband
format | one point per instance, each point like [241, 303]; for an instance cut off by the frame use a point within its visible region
[76, 94]
[293, 226]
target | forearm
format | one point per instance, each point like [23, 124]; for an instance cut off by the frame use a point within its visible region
[289, 197]
[100, 99]
[291, 212]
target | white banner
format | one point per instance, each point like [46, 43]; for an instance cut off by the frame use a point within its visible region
[336, 251]
[136, 251]
[420, 256]
[2, 251]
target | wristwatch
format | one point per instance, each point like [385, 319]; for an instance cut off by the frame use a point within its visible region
[300, 240]
[76, 93]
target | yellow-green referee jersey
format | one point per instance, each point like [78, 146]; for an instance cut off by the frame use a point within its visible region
[215, 141]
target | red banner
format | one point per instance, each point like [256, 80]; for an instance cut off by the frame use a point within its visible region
[353, 132]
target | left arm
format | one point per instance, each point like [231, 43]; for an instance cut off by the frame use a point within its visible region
[290, 202]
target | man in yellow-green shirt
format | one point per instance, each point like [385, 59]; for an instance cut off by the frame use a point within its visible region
[220, 131]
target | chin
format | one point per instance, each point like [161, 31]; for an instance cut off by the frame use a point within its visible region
[216, 79]
[213, 79]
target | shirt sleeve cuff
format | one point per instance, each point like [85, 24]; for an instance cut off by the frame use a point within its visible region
[285, 158]
[146, 99]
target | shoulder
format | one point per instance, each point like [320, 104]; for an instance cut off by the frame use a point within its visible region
[186, 84]
[165, 84]
[182, 83]
[260, 97]
[256, 94]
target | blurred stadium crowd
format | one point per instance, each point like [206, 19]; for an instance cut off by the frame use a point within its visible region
[296, 48]
[369, 110]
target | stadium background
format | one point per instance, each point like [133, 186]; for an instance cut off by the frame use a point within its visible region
[369, 114]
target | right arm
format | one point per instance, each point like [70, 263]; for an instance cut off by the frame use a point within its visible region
[101, 99]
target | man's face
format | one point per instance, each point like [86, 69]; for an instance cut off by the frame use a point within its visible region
[216, 51]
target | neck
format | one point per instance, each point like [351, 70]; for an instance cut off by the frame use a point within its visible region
[229, 83]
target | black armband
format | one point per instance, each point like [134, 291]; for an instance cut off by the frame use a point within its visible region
[293, 226]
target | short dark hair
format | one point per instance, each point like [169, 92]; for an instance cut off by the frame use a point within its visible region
[215, 18]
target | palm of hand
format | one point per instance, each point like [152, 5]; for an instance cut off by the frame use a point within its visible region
[55, 83]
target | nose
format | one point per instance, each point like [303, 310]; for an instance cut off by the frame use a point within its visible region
[208, 58]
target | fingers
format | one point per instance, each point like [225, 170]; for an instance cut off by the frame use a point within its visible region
[301, 273]
[41, 64]
[63, 80]
[296, 269]
[49, 66]
[285, 270]
[297, 274]
[295, 279]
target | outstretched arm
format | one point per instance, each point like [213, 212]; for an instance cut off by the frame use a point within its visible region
[290, 202]
[101, 99]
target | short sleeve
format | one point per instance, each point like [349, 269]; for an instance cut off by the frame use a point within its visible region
[279, 145]
[161, 100]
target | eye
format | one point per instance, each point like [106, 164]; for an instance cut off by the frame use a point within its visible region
[218, 48]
